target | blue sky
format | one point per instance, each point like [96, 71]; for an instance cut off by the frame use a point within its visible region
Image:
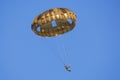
[93, 45]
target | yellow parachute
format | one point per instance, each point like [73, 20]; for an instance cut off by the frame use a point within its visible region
[54, 22]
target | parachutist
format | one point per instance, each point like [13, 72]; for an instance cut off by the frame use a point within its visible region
[54, 22]
[67, 67]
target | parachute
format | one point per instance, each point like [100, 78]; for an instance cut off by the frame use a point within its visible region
[54, 22]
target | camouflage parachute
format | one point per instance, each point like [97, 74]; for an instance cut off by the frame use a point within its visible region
[64, 21]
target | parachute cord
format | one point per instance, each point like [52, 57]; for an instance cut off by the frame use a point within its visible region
[66, 54]
[59, 58]
[62, 55]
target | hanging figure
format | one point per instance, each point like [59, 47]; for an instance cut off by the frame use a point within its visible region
[67, 67]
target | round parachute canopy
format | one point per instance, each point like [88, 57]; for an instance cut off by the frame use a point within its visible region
[54, 22]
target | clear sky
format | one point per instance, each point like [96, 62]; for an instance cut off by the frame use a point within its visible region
[93, 46]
